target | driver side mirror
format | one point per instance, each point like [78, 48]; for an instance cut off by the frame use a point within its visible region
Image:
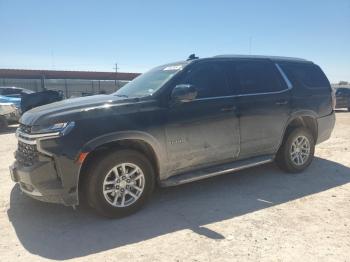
[183, 93]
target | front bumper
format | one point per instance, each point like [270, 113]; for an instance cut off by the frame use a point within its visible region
[325, 127]
[42, 175]
[39, 181]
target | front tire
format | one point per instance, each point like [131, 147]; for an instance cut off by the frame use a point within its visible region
[297, 151]
[119, 183]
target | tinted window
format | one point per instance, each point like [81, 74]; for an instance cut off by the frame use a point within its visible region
[258, 77]
[209, 80]
[308, 75]
[343, 91]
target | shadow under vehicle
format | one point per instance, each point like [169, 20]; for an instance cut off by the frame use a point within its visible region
[55, 232]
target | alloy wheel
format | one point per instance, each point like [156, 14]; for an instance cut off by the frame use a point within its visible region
[123, 185]
[300, 150]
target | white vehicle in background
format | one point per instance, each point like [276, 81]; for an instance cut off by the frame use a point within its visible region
[8, 112]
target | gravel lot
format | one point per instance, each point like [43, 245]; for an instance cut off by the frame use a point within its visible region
[260, 214]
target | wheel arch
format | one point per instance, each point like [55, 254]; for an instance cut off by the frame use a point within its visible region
[306, 119]
[136, 140]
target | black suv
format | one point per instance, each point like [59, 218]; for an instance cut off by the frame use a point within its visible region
[175, 124]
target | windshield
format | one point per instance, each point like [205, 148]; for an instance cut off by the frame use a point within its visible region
[149, 82]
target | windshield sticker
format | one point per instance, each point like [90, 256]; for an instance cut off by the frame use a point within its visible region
[173, 68]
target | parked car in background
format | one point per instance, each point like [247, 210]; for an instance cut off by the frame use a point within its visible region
[14, 100]
[342, 95]
[14, 91]
[30, 101]
[8, 113]
[175, 124]
[12, 104]
[14, 95]
[25, 99]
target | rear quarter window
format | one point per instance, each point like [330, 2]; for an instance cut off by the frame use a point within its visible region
[307, 75]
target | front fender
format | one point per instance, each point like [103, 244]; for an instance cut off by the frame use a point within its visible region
[145, 137]
[125, 135]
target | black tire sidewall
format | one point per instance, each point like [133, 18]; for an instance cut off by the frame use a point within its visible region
[97, 175]
[288, 164]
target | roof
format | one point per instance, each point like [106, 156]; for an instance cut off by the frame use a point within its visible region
[55, 74]
[275, 58]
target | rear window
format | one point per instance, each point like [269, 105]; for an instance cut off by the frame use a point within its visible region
[308, 75]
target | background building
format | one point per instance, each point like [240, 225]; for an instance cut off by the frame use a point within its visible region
[71, 83]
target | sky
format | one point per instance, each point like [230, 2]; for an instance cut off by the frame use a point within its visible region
[139, 35]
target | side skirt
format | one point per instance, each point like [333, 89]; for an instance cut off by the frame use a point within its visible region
[215, 171]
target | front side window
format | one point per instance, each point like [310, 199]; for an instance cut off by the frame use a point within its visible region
[209, 80]
[256, 77]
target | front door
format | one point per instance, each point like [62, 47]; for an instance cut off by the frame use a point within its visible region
[204, 131]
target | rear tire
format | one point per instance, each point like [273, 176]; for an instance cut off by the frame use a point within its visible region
[297, 151]
[119, 183]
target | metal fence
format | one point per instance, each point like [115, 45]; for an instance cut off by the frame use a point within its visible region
[69, 87]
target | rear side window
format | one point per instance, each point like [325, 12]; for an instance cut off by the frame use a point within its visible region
[308, 75]
[209, 79]
[256, 77]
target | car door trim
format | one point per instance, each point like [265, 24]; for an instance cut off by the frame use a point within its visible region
[242, 95]
[285, 78]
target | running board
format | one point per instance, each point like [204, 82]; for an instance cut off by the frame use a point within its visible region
[215, 171]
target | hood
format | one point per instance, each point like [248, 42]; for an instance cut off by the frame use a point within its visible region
[72, 109]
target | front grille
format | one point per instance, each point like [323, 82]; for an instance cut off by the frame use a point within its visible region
[26, 154]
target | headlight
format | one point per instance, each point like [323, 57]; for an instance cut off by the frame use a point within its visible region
[62, 128]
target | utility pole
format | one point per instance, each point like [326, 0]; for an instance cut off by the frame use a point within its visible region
[116, 74]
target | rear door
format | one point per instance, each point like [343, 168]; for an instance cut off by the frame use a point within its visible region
[264, 106]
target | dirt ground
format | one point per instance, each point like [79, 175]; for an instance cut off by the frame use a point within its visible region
[260, 214]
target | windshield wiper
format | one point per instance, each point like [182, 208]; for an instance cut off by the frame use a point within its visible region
[122, 96]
